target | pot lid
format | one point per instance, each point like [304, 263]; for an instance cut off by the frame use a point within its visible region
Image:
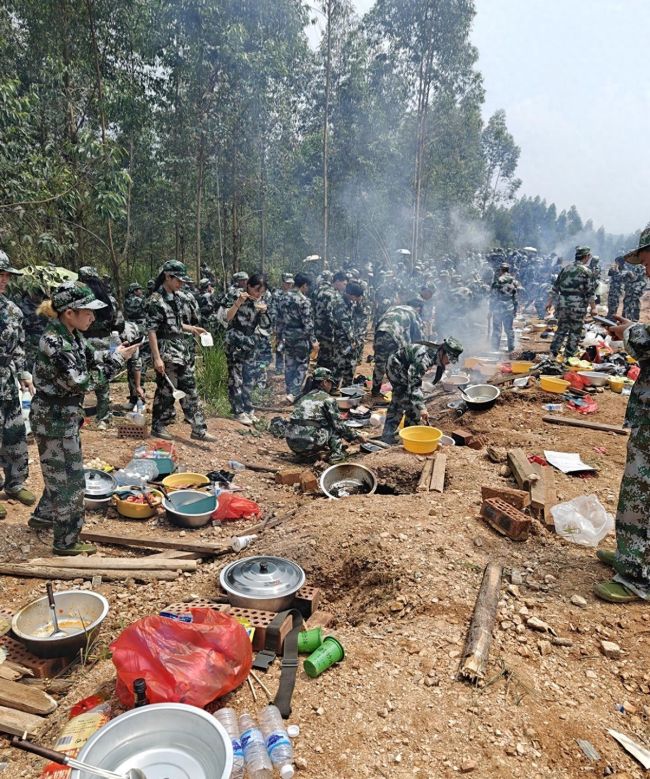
[262, 576]
[98, 482]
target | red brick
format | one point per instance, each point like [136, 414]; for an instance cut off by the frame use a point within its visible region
[42, 668]
[506, 519]
[462, 437]
[308, 481]
[307, 600]
[288, 476]
[517, 498]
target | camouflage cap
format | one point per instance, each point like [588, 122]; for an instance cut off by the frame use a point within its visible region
[287, 278]
[6, 266]
[644, 243]
[89, 272]
[73, 294]
[453, 347]
[133, 287]
[151, 284]
[204, 284]
[323, 374]
[582, 252]
[241, 275]
[177, 269]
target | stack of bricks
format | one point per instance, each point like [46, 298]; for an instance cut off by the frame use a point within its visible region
[506, 519]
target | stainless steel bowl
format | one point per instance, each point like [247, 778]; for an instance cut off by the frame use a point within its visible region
[347, 402]
[97, 504]
[453, 382]
[164, 740]
[346, 479]
[594, 378]
[76, 610]
[190, 518]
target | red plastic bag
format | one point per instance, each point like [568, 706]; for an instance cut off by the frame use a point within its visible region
[232, 506]
[634, 372]
[182, 662]
[575, 380]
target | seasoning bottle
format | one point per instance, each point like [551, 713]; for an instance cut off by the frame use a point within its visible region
[140, 690]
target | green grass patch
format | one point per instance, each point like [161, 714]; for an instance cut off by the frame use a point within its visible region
[212, 379]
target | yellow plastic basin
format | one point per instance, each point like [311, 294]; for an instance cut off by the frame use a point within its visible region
[185, 481]
[553, 384]
[138, 510]
[616, 383]
[521, 366]
[420, 439]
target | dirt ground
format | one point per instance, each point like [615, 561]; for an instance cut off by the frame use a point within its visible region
[401, 573]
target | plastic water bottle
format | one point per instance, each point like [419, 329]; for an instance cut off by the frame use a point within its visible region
[114, 341]
[228, 718]
[236, 466]
[277, 740]
[26, 407]
[258, 762]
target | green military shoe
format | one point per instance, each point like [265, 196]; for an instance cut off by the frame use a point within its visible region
[25, 496]
[613, 592]
[162, 434]
[606, 556]
[37, 523]
[3, 511]
[75, 549]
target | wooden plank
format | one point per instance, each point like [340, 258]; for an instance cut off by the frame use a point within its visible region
[537, 489]
[16, 723]
[425, 476]
[9, 673]
[31, 572]
[550, 497]
[173, 554]
[115, 539]
[438, 474]
[117, 563]
[584, 423]
[521, 468]
[18, 696]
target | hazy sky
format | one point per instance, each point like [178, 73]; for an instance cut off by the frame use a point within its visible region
[574, 79]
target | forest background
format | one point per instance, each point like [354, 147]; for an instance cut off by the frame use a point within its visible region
[135, 131]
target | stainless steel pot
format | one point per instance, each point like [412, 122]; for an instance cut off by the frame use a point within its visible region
[262, 582]
[345, 479]
[99, 484]
[79, 612]
[348, 402]
[97, 504]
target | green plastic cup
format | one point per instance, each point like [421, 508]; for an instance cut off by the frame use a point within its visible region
[310, 640]
[328, 653]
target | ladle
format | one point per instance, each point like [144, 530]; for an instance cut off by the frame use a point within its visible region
[178, 394]
[57, 632]
[61, 759]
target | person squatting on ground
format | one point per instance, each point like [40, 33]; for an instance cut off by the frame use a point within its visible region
[67, 366]
[631, 560]
[247, 313]
[574, 290]
[503, 306]
[315, 427]
[13, 444]
[406, 369]
[400, 326]
[171, 354]
[298, 338]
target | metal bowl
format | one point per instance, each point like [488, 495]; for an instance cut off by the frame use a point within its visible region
[191, 517]
[164, 740]
[348, 401]
[453, 382]
[97, 504]
[345, 479]
[481, 396]
[594, 378]
[79, 610]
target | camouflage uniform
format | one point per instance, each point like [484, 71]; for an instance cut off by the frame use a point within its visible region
[385, 297]
[66, 368]
[13, 445]
[616, 277]
[399, 327]
[298, 339]
[322, 301]
[344, 356]
[166, 313]
[263, 347]
[503, 307]
[208, 311]
[360, 318]
[574, 288]
[635, 284]
[134, 313]
[315, 426]
[241, 352]
[33, 325]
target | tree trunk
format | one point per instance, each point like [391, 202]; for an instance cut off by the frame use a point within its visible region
[200, 165]
[328, 67]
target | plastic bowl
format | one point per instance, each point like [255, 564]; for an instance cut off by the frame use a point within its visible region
[138, 510]
[616, 383]
[420, 439]
[521, 366]
[553, 384]
[185, 481]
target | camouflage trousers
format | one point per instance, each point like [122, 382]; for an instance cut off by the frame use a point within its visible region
[502, 320]
[241, 380]
[64, 485]
[325, 355]
[570, 324]
[13, 446]
[632, 562]
[384, 346]
[296, 364]
[345, 364]
[310, 442]
[103, 392]
[632, 304]
[613, 300]
[404, 402]
[183, 378]
[263, 358]
[145, 359]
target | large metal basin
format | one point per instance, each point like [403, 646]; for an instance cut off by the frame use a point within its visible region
[481, 396]
[346, 479]
[190, 517]
[79, 612]
[165, 740]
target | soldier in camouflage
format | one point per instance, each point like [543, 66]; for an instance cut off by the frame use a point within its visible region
[400, 326]
[315, 427]
[503, 306]
[298, 338]
[385, 295]
[631, 560]
[13, 443]
[67, 367]
[616, 276]
[634, 287]
[263, 345]
[574, 289]
[279, 301]
[33, 323]
[171, 352]
[326, 299]
[135, 318]
[207, 306]
[406, 369]
[344, 360]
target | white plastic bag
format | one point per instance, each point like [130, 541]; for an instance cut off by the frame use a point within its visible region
[582, 520]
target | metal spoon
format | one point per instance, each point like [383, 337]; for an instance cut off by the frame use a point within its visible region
[178, 394]
[57, 632]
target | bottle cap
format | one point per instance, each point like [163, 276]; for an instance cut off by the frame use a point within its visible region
[287, 771]
[293, 731]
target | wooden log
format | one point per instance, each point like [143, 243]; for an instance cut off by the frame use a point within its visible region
[117, 563]
[437, 483]
[29, 572]
[260, 468]
[11, 674]
[117, 539]
[521, 469]
[479, 635]
[584, 423]
[425, 476]
[173, 554]
[544, 497]
[18, 696]
[16, 723]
